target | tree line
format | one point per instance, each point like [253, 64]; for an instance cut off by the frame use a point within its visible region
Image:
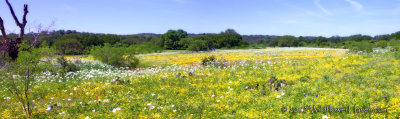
[71, 42]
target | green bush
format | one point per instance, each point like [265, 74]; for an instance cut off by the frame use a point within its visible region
[382, 44]
[131, 61]
[69, 47]
[208, 60]
[397, 55]
[213, 61]
[363, 46]
[66, 66]
[395, 45]
[198, 45]
[118, 56]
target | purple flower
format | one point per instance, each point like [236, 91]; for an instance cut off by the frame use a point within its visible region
[304, 95]
[316, 95]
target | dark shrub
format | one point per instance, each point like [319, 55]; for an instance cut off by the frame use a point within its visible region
[69, 47]
[208, 60]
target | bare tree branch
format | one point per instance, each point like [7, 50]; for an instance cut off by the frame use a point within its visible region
[39, 29]
[3, 31]
[22, 27]
[13, 13]
[23, 24]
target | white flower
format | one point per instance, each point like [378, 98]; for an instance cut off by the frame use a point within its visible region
[213, 95]
[151, 107]
[324, 117]
[94, 110]
[172, 105]
[116, 109]
[48, 108]
[174, 110]
[70, 94]
[69, 99]
[87, 117]
[218, 100]
[247, 87]
[106, 100]
[221, 97]
[148, 104]
[61, 113]
[74, 88]
[278, 96]
[231, 89]
[80, 102]
[283, 94]
[52, 98]
[153, 94]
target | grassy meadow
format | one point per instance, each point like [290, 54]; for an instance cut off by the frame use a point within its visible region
[238, 85]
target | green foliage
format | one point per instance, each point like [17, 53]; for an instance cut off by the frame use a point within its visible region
[363, 46]
[198, 45]
[110, 39]
[358, 37]
[66, 66]
[69, 46]
[147, 47]
[229, 38]
[172, 37]
[131, 61]
[288, 41]
[397, 55]
[20, 76]
[118, 56]
[382, 44]
[395, 44]
[207, 60]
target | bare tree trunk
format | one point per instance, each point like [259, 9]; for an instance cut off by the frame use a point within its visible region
[12, 46]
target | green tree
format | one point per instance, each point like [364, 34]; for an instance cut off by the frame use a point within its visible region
[321, 41]
[109, 38]
[287, 41]
[229, 38]
[69, 46]
[118, 56]
[172, 37]
[198, 45]
[382, 44]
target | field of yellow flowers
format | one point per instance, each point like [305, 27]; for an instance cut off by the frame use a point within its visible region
[313, 83]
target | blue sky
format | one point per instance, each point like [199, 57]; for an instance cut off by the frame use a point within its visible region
[247, 17]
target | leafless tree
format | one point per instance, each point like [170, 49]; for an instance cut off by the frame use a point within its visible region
[10, 46]
[39, 30]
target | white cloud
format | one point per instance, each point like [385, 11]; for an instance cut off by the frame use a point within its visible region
[316, 2]
[355, 4]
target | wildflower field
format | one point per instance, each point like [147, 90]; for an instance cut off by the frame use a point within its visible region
[254, 83]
